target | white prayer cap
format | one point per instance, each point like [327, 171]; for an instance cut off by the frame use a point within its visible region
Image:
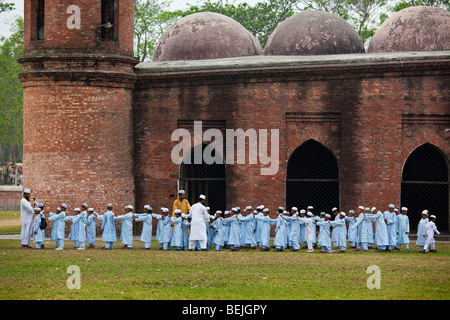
[165, 210]
[162, 209]
[37, 209]
[404, 209]
[351, 211]
[219, 211]
[76, 209]
[146, 206]
[85, 205]
[40, 205]
[109, 205]
[425, 212]
[373, 209]
[64, 205]
[433, 216]
[238, 208]
[211, 216]
[334, 209]
[248, 208]
[343, 213]
[281, 208]
[366, 209]
[181, 192]
[327, 215]
[310, 207]
[285, 212]
[226, 212]
[177, 211]
[234, 209]
[91, 209]
[129, 207]
[26, 191]
[59, 209]
[207, 208]
[303, 211]
[266, 210]
[395, 210]
[310, 214]
[259, 207]
[361, 207]
[202, 196]
[391, 206]
[294, 208]
[255, 211]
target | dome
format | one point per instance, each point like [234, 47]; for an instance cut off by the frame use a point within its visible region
[314, 33]
[206, 35]
[413, 29]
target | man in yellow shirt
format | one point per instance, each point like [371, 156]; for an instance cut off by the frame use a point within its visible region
[181, 203]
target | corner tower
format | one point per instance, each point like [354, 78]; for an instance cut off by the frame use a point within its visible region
[78, 82]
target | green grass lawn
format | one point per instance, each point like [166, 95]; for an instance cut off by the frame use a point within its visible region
[156, 274]
[10, 222]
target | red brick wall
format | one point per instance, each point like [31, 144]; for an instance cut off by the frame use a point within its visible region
[78, 138]
[58, 38]
[355, 112]
[10, 199]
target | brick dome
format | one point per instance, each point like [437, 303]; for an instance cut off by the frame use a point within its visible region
[314, 33]
[418, 28]
[206, 35]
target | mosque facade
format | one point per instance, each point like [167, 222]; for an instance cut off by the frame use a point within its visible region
[352, 126]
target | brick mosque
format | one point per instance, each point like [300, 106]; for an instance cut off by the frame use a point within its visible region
[356, 127]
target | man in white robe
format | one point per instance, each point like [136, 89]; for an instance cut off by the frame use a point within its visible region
[308, 230]
[26, 218]
[430, 230]
[199, 216]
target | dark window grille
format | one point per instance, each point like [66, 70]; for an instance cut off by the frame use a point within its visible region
[207, 179]
[312, 178]
[40, 19]
[108, 23]
[425, 185]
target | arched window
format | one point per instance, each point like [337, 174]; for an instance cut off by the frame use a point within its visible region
[425, 185]
[108, 19]
[207, 179]
[312, 178]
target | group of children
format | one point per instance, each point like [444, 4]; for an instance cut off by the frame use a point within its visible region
[237, 230]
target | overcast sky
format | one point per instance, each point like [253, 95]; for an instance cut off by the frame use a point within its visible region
[6, 18]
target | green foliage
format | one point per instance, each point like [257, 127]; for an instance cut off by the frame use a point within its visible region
[11, 93]
[260, 19]
[151, 19]
[364, 15]
[6, 6]
[400, 5]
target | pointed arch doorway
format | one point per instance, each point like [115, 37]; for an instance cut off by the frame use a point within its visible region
[207, 179]
[312, 178]
[425, 185]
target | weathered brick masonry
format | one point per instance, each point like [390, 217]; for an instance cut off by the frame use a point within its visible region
[98, 125]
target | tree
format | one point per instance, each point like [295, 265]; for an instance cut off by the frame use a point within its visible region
[6, 6]
[260, 19]
[151, 19]
[11, 93]
[402, 4]
[364, 15]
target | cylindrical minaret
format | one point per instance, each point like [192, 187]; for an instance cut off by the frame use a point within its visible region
[78, 81]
